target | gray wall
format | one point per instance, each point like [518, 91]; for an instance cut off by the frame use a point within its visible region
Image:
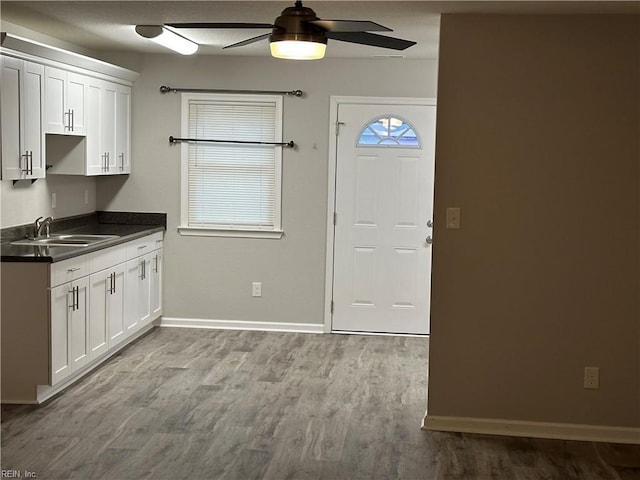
[24, 202]
[538, 143]
[210, 278]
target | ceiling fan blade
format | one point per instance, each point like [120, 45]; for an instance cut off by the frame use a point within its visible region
[248, 41]
[350, 26]
[219, 25]
[372, 39]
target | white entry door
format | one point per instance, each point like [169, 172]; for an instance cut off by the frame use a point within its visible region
[384, 207]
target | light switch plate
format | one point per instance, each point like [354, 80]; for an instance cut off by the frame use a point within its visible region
[453, 218]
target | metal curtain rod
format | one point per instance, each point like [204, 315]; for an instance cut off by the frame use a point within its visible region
[173, 139]
[292, 93]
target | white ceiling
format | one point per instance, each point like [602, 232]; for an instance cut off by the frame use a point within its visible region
[109, 25]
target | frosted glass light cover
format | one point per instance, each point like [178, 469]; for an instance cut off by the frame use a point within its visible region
[297, 50]
[167, 38]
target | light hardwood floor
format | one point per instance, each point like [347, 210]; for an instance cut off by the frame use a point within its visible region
[214, 404]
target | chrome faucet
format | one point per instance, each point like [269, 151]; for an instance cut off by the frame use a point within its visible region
[40, 225]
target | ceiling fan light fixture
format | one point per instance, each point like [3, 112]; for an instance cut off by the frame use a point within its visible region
[298, 50]
[165, 37]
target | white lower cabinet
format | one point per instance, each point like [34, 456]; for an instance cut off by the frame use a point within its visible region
[156, 284]
[115, 308]
[136, 299]
[70, 349]
[143, 297]
[106, 311]
[104, 300]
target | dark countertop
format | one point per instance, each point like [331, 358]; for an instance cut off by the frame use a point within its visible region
[128, 226]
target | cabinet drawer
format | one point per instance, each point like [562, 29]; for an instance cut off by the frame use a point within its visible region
[68, 270]
[107, 258]
[143, 245]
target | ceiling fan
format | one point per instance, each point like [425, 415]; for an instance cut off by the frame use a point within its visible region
[299, 34]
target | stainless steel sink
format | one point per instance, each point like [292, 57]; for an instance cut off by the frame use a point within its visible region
[65, 240]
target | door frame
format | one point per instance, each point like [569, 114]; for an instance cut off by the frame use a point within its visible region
[335, 102]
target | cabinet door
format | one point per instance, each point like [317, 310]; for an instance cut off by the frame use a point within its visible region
[76, 103]
[62, 301]
[95, 160]
[144, 293]
[100, 285]
[12, 122]
[79, 325]
[33, 118]
[56, 117]
[108, 127]
[131, 304]
[123, 129]
[156, 285]
[115, 306]
[138, 293]
[21, 104]
[66, 96]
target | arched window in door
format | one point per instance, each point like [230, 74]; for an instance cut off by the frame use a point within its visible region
[388, 131]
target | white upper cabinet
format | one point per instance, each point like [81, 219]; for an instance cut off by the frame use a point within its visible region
[66, 102]
[94, 163]
[62, 113]
[107, 132]
[21, 104]
[123, 129]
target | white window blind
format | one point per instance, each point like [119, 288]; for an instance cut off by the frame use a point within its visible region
[232, 186]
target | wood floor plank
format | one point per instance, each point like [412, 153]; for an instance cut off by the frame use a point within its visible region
[240, 405]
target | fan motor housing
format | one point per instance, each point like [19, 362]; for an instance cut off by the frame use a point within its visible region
[293, 24]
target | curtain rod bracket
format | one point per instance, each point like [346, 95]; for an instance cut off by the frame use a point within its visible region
[291, 93]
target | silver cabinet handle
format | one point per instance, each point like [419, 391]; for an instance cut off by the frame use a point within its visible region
[73, 118]
[110, 290]
[73, 298]
[26, 162]
[430, 223]
[155, 267]
[142, 246]
[31, 162]
[429, 240]
[71, 270]
[121, 156]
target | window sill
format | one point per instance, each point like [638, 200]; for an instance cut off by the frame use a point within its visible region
[234, 233]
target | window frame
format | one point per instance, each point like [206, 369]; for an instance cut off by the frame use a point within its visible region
[237, 231]
[397, 144]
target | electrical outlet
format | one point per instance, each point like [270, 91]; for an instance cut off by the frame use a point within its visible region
[453, 218]
[592, 378]
[53, 200]
[256, 289]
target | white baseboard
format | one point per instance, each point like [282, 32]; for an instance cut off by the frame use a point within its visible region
[517, 428]
[242, 325]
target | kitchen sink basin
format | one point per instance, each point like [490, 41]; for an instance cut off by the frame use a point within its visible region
[65, 240]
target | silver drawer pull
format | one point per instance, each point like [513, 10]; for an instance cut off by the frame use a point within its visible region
[142, 246]
[71, 270]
